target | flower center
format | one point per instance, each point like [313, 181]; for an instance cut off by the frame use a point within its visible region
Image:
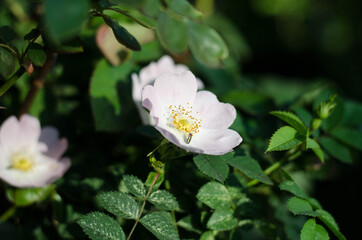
[182, 118]
[21, 162]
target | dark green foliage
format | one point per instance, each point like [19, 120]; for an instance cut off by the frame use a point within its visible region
[213, 166]
[292, 127]
[161, 225]
[99, 226]
[65, 18]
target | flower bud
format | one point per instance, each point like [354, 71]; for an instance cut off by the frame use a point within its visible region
[316, 123]
[325, 109]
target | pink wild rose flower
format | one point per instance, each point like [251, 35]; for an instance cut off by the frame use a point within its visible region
[31, 156]
[148, 75]
[194, 121]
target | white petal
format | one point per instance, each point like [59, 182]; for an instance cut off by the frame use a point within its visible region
[16, 135]
[151, 100]
[214, 114]
[44, 173]
[9, 132]
[207, 141]
[55, 146]
[136, 88]
[176, 89]
[215, 141]
[30, 131]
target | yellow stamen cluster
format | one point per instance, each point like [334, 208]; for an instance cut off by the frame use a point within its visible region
[183, 119]
[21, 162]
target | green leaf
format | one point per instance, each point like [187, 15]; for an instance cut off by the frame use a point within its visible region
[250, 167]
[34, 33]
[292, 120]
[64, 18]
[138, 17]
[134, 185]
[212, 166]
[8, 61]
[26, 196]
[71, 46]
[304, 115]
[161, 225]
[150, 178]
[37, 54]
[300, 206]
[207, 236]
[336, 149]
[312, 144]
[150, 51]
[312, 231]
[206, 44]
[105, 101]
[352, 114]
[184, 8]
[190, 223]
[329, 221]
[120, 204]
[214, 195]
[172, 33]
[293, 188]
[349, 136]
[222, 219]
[284, 138]
[7, 34]
[250, 102]
[122, 35]
[163, 200]
[99, 226]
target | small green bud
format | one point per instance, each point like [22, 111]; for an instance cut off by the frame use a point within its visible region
[158, 166]
[316, 123]
[325, 109]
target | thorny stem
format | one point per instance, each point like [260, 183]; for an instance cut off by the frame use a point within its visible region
[143, 205]
[38, 82]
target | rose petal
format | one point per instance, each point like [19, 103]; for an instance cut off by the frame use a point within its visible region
[41, 175]
[9, 132]
[214, 114]
[55, 146]
[176, 89]
[207, 141]
[151, 100]
[215, 141]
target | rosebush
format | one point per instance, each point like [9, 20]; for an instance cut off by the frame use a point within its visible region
[167, 138]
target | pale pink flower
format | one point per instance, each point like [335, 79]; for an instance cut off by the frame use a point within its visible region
[31, 156]
[195, 121]
[148, 75]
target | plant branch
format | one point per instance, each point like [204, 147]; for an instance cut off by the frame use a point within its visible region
[143, 205]
[12, 80]
[10, 212]
[38, 82]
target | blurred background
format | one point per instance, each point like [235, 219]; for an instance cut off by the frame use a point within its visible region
[309, 39]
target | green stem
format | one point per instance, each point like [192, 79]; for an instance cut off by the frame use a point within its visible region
[161, 144]
[267, 171]
[291, 155]
[10, 212]
[143, 205]
[9, 48]
[11, 81]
